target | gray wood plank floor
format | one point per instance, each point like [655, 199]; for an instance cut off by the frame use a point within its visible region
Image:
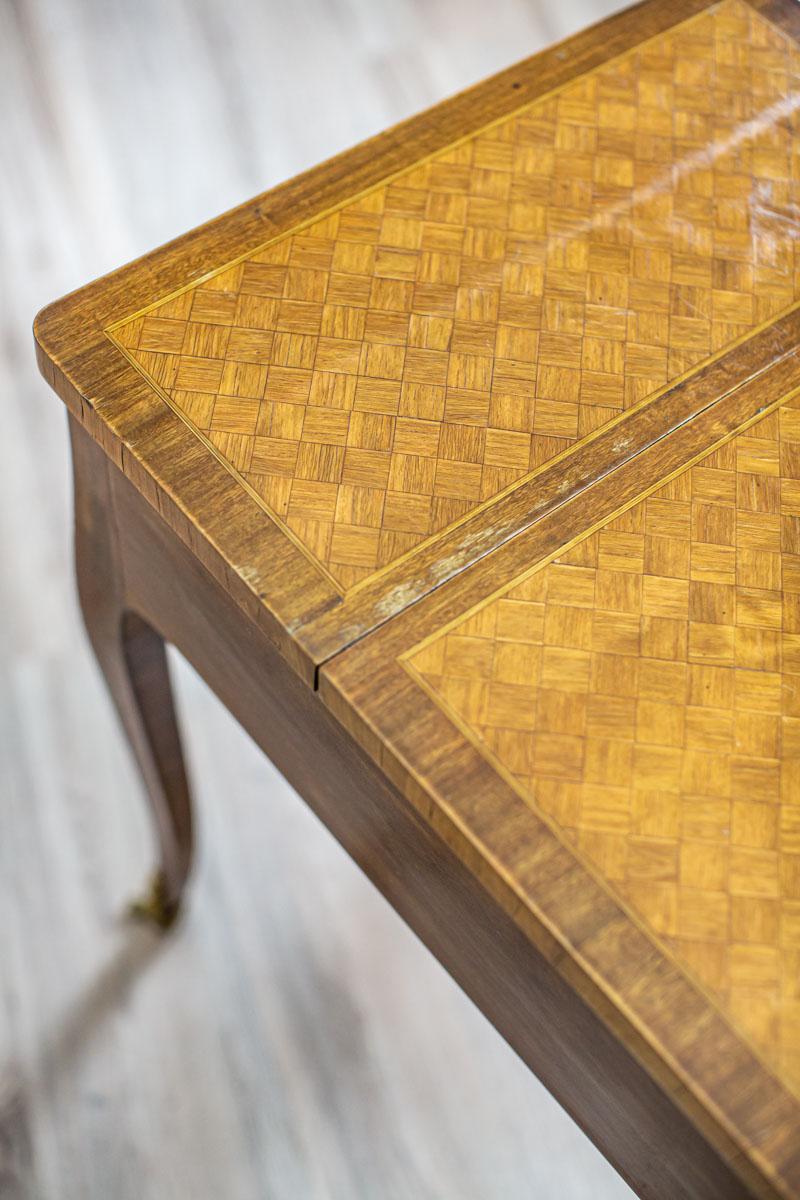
[258, 1052]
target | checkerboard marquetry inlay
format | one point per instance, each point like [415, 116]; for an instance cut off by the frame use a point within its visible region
[374, 376]
[643, 691]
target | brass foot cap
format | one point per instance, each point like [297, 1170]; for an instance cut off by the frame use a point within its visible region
[154, 906]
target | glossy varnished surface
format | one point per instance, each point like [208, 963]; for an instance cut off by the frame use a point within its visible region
[390, 366]
[611, 258]
[643, 692]
[203, 1065]
[489, 428]
[613, 732]
[516, 980]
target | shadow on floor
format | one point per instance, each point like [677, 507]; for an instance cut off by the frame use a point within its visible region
[77, 1025]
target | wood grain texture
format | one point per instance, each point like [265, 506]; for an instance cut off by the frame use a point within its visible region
[644, 688]
[570, 1037]
[615, 734]
[133, 659]
[377, 374]
[494, 338]
[111, 112]
[628, 268]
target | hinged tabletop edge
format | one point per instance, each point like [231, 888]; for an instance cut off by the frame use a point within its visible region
[302, 610]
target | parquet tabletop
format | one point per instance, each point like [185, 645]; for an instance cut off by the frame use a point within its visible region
[492, 427]
[401, 379]
[375, 376]
[615, 735]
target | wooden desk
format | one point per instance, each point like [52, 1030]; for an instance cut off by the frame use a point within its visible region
[466, 470]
